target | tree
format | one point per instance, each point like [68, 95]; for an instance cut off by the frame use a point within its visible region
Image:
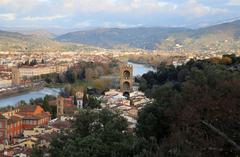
[152, 123]
[33, 62]
[37, 152]
[93, 103]
[195, 114]
[99, 134]
[75, 100]
[70, 76]
[45, 105]
[85, 99]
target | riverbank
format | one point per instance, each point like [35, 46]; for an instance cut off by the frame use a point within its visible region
[15, 91]
[144, 64]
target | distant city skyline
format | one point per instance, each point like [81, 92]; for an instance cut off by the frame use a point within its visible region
[116, 13]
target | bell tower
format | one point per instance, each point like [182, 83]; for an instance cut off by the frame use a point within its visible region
[126, 79]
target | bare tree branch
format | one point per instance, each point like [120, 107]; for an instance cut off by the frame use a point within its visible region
[223, 135]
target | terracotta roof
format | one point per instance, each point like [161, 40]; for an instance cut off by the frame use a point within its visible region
[28, 108]
[61, 124]
[37, 116]
[47, 136]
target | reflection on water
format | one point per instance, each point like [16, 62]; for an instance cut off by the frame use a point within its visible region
[27, 96]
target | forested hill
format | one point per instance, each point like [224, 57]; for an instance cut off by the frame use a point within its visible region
[113, 37]
[13, 41]
[223, 36]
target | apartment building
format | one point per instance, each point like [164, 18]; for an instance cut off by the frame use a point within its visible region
[14, 121]
[26, 72]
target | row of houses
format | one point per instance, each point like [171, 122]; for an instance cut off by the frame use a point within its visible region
[13, 121]
[128, 107]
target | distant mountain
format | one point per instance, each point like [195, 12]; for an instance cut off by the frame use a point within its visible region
[13, 41]
[113, 37]
[39, 33]
[223, 36]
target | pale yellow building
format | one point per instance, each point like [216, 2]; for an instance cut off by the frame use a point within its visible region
[32, 71]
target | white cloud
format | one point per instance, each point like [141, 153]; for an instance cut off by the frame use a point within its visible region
[7, 16]
[83, 24]
[46, 18]
[136, 7]
[22, 6]
[194, 9]
[140, 6]
[4, 2]
[234, 2]
[119, 25]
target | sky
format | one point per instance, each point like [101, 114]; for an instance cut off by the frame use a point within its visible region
[116, 13]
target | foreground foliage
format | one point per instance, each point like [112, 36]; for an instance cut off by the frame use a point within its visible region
[99, 134]
[196, 109]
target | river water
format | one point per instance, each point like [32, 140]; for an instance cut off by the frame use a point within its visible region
[11, 101]
[138, 69]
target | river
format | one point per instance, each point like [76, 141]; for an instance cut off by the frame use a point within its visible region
[11, 101]
[138, 69]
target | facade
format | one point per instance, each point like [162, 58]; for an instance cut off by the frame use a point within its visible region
[34, 116]
[5, 83]
[14, 121]
[14, 127]
[3, 129]
[26, 72]
[126, 79]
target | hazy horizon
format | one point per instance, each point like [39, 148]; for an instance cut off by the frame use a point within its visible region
[85, 14]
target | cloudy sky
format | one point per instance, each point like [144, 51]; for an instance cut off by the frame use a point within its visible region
[115, 13]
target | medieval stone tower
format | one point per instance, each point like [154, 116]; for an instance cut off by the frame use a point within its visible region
[126, 79]
[60, 106]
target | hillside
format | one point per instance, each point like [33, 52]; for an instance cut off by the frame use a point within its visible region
[12, 41]
[113, 37]
[223, 36]
[38, 33]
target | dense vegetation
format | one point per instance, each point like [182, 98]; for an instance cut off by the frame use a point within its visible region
[85, 72]
[196, 108]
[98, 133]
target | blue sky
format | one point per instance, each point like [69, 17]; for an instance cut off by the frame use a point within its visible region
[115, 13]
